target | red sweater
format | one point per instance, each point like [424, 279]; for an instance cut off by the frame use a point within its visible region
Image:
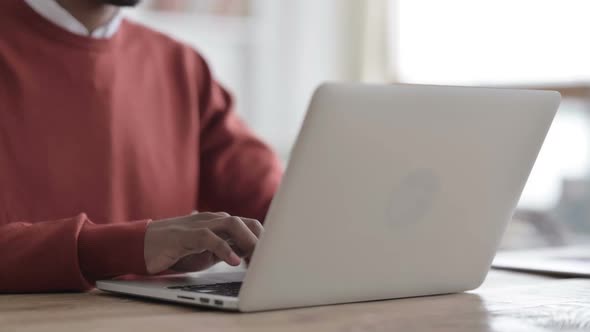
[95, 134]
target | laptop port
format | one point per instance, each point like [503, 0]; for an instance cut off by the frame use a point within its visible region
[186, 298]
[218, 302]
[204, 300]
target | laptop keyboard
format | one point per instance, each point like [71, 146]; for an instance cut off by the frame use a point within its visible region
[231, 289]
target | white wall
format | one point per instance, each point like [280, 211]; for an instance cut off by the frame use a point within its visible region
[312, 41]
[274, 61]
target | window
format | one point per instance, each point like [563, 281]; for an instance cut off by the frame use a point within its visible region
[499, 41]
[525, 43]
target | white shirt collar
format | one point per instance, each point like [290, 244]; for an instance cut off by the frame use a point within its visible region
[53, 12]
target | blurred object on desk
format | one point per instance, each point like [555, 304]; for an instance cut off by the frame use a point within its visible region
[534, 229]
[574, 205]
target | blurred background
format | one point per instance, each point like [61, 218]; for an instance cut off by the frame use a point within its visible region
[272, 54]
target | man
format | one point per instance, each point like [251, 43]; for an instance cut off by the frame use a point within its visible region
[105, 126]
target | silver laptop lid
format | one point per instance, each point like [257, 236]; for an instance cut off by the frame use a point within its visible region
[396, 191]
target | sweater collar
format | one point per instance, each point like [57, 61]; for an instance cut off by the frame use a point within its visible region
[53, 12]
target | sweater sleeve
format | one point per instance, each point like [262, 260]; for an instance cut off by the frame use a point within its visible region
[239, 173]
[68, 254]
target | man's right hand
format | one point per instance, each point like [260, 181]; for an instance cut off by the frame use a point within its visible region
[199, 241]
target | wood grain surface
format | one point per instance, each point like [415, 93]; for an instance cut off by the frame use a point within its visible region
[506, 302]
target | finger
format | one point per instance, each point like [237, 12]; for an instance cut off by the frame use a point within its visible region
[238, 233]
[254, 225]
[196, 262]
[206, 240]
[207, 216]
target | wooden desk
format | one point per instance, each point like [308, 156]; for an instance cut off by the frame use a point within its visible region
[507, 302]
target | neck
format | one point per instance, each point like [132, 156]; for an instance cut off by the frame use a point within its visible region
[91, 13]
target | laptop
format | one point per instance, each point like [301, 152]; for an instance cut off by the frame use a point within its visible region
[392, 191]
[567, 261]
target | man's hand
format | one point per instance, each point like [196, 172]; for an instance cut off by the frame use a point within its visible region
[199, 241]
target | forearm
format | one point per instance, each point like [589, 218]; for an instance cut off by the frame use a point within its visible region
[67, 255]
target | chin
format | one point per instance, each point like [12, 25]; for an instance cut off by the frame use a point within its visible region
[122, 3]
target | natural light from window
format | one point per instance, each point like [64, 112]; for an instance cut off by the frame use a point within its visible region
[503, 42]
[500, 41]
